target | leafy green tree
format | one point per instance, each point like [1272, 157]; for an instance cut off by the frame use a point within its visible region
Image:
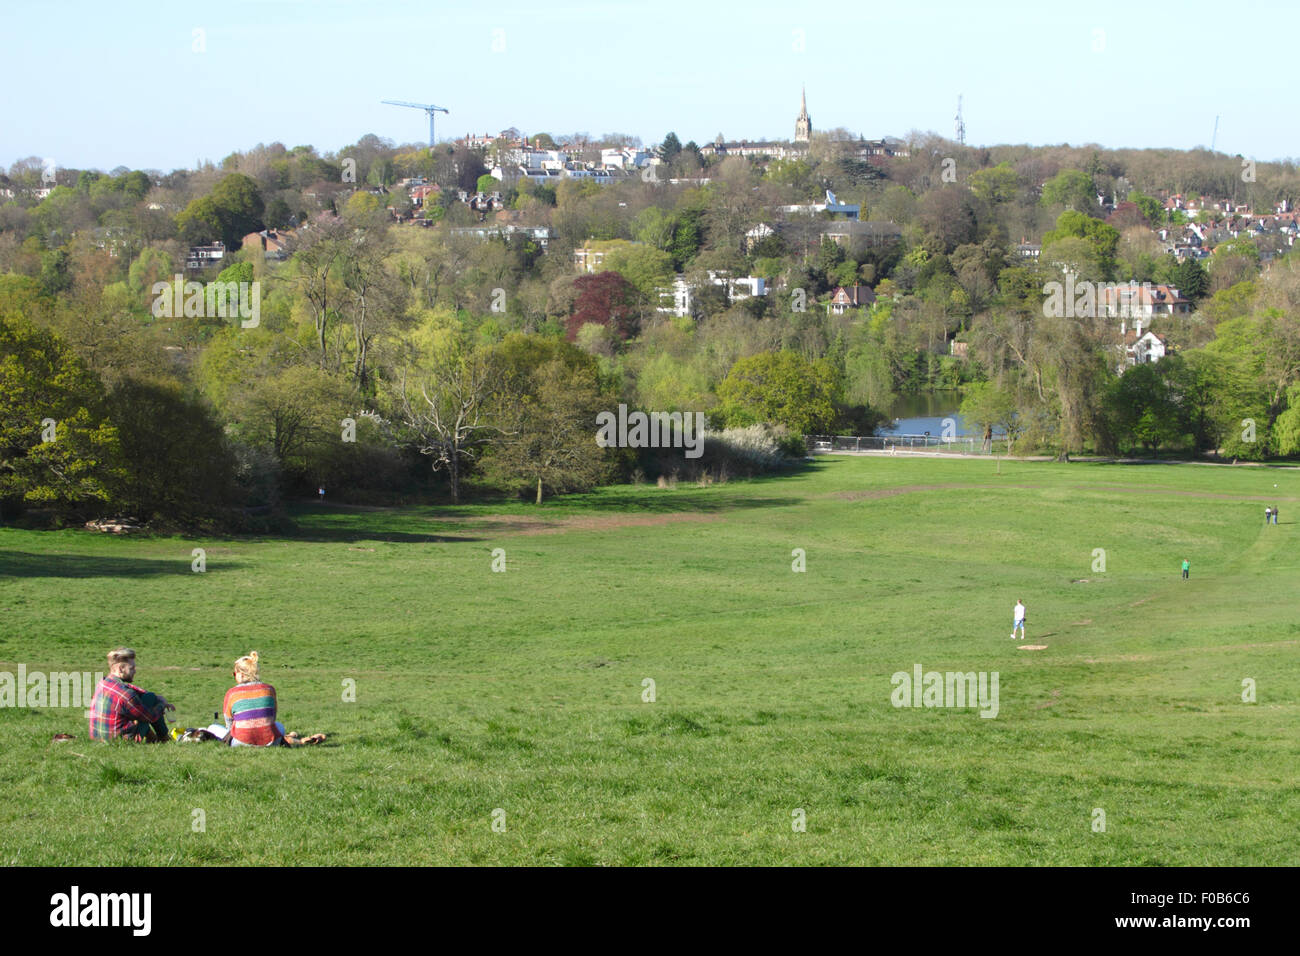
[1196, 383]
[295, 414]
[687, 236]
[1071, 188]
[1286, 430]
[236, 272]
[1243, 391]
[1070, 374]
[794, 173]
[1079, 256]
[231, 211]
[780, 388]
[1234, 261]
[1103, 238]
[1234, 302]
[176, 462]
[446, 405]
[1190, 278]
[672, 383]
[996, 184]
[152, 265]
[548, 430]
[56, 275]
[61, 214]
[1142, 408]
[990, 409]
[199, 223]
[1151, 208]
[650, 271]
[57, 446]
[278, 214]
[654, 227]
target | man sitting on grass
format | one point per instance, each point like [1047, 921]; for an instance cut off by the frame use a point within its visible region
[120, 709]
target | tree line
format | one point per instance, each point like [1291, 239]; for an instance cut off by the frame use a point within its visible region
[397, 363]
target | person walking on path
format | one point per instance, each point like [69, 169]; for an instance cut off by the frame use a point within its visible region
[1018, 620]
[1275, 514]
[1187, 568]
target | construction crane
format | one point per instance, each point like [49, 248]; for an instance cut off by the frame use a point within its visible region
[961, 124]
[427, 107]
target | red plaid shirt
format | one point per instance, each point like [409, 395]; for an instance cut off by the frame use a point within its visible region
[119, 709]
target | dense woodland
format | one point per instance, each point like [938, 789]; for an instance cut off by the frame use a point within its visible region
[395, 361]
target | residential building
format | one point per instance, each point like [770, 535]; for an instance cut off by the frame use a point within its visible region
[422, 193]
[757, 235]
[1140, 301]
[626, 157]
[737, 289]
[852, 297]
[541, 235]
[1141, 347]
[760, 149]
[868, 234]
[588, 259]
[273, 243]
[831, 206]
[201, 257]
[113, 239]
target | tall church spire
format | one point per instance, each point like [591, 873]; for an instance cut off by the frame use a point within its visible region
[803, 125]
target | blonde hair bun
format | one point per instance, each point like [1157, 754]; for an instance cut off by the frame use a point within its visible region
[246, 668]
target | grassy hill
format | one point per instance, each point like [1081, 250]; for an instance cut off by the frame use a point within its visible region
[523, 691]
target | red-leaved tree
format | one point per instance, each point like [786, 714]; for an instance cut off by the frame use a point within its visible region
[607, 299]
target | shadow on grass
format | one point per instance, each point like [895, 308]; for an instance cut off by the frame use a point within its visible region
[340, 523]
[24, 564]
[670, 501]
[358, 532]
[344, 524]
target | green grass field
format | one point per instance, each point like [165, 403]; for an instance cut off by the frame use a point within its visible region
[522, 691]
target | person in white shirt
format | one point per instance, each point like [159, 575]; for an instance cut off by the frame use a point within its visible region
[1018, 620]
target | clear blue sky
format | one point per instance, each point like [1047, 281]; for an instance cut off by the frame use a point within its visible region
[95, 85]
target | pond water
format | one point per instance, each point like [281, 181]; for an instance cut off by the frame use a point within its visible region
[921, 412]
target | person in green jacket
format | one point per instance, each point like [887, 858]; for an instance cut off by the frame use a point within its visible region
[1186, 569]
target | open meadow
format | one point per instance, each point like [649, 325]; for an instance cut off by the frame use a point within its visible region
[518, 698]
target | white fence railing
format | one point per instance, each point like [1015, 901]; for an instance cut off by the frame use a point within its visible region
[959, 445]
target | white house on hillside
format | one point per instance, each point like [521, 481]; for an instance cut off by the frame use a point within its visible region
[737, 288]
[1141, 347]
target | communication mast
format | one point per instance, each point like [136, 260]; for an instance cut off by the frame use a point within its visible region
[961, 124]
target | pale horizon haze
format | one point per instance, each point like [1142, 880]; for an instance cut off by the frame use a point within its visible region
[135, 85]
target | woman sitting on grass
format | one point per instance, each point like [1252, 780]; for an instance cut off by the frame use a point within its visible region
[249, 709]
